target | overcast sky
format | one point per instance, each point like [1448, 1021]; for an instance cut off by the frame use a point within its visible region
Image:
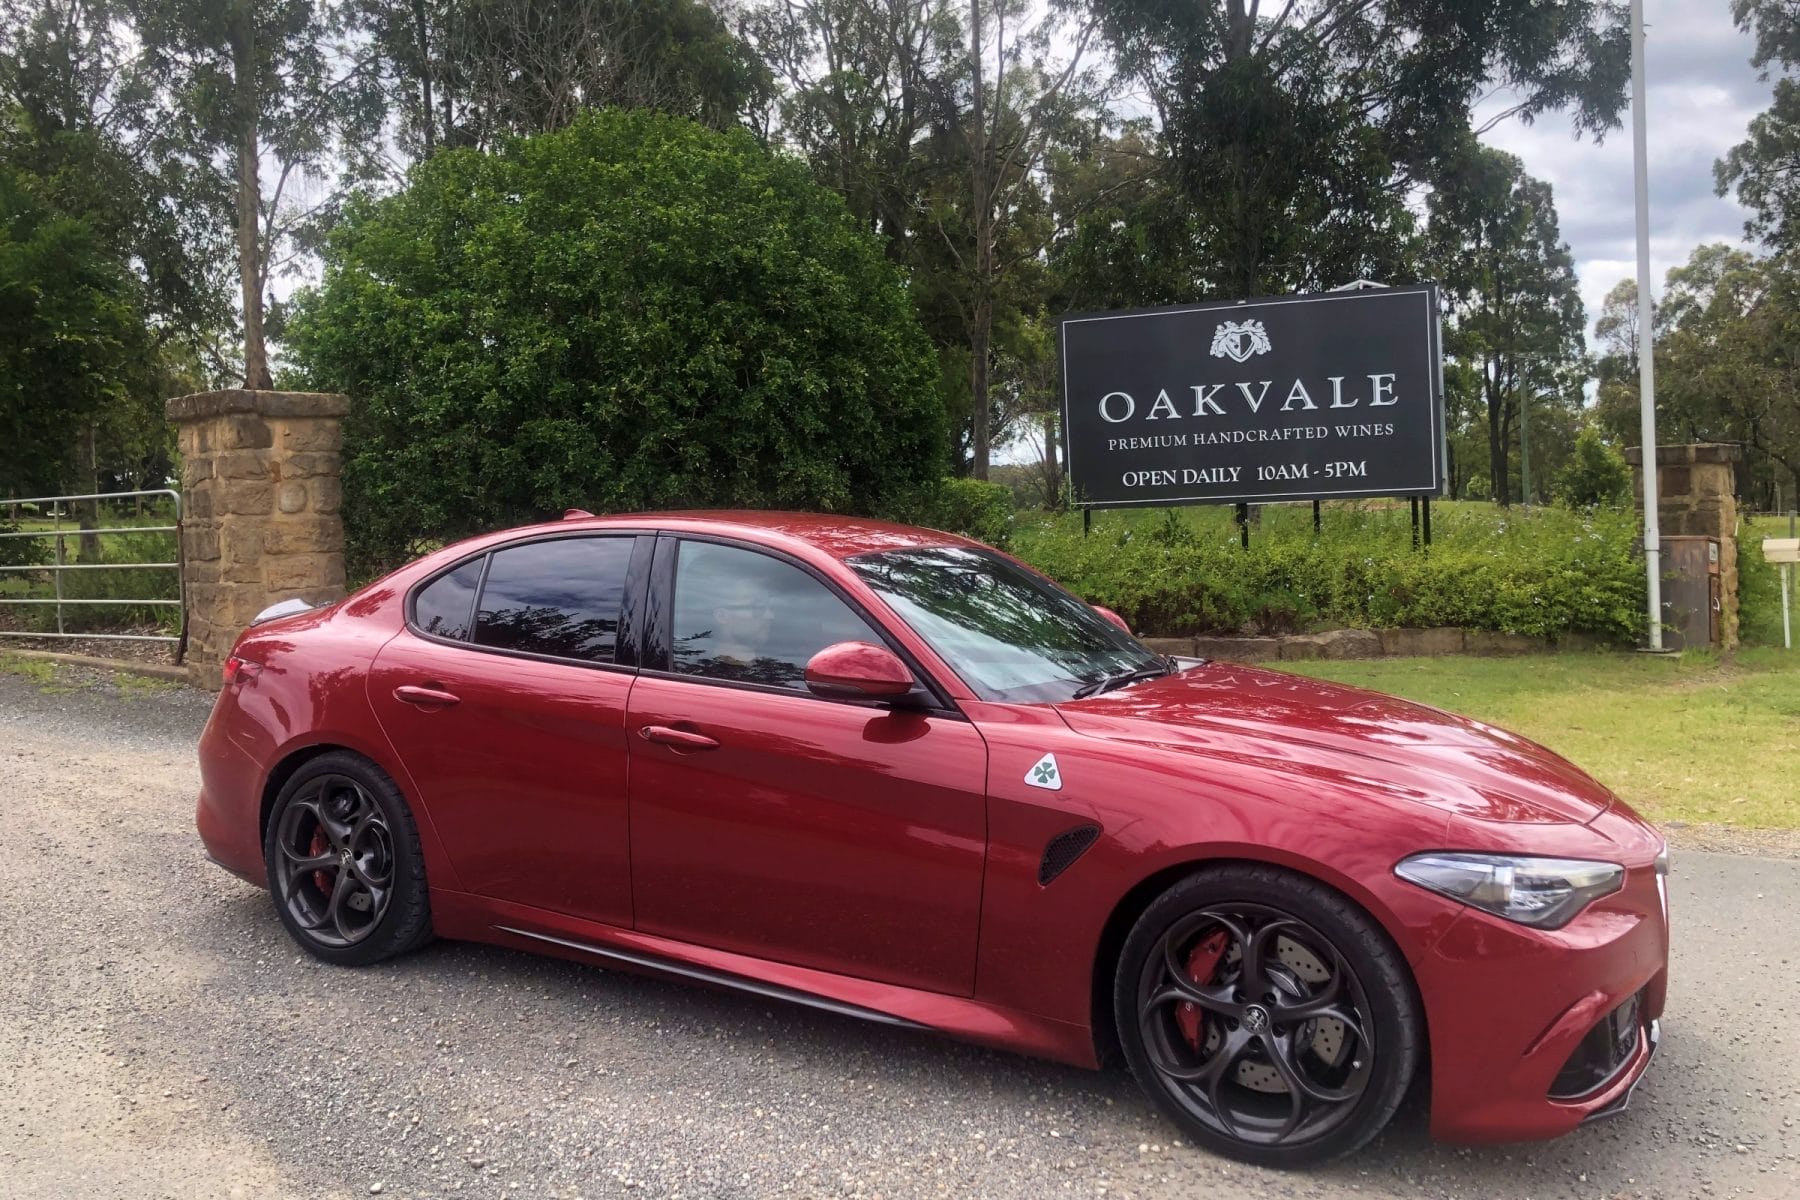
[1702, 93]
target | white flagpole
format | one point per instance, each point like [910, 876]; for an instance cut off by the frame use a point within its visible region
[1646, 343]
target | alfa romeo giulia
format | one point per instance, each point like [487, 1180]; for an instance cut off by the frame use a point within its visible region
[896, 774]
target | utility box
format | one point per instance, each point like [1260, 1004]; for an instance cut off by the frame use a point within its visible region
[1692, 599]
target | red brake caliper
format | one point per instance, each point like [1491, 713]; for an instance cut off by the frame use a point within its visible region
[1202, 965]
[321, 878]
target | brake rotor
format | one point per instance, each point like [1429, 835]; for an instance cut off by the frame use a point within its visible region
[1210, 959]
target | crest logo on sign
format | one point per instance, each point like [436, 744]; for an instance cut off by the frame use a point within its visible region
[1240, 341]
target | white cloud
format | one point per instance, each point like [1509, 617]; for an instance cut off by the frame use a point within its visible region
[1701, 93]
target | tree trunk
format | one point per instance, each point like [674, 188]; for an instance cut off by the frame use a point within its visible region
[249, 198]
[1525, 490]
[979, 334]
[1496, 406]
[981, 316]
[88, 511]
[429, 122]
[1052, 463]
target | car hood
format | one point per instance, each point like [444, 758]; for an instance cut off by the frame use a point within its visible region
[1310, 726]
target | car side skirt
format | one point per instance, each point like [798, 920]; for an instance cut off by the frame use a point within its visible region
[464, 917]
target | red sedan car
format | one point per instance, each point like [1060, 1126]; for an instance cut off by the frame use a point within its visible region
[893, 773]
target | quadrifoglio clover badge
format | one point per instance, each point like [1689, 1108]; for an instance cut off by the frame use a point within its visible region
[1043, 774]
[1240, 341]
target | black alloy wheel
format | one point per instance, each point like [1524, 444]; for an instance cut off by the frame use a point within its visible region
[1267, 1015]
[344, 863]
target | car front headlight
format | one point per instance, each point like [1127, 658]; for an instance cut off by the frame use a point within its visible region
[1545, 893]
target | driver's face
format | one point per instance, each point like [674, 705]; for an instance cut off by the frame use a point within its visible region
[744, 619]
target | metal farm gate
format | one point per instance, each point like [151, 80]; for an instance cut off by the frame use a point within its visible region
[60, 513]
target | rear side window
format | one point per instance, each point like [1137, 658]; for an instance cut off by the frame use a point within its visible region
[446, 605]
[558, 597]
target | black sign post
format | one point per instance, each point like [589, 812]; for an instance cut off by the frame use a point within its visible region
[1301, 398]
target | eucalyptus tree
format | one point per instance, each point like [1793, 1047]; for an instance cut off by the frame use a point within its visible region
[1764, 169]
[135, 292]
[89, 123]
[1030, 87]
[257, 84]
[863, 84]
[1124, 233]
[1728, 356]
[70, 336]
[1516, 315]
[470, 72]
[1297, 130]
[1616, 362]
[937, 121]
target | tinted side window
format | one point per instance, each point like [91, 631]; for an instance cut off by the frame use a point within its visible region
[560, 597]
[749, 617]
[443, 607]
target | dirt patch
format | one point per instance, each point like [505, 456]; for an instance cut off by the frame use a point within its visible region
[1729, 839]
[144, 652]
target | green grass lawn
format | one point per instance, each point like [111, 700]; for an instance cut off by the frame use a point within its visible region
[1698, 738]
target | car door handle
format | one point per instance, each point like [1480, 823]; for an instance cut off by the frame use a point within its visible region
[425, 697]
[680, 739]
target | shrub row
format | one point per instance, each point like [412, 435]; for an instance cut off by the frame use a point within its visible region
[1544, 572]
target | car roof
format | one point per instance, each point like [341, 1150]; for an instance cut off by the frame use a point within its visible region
[836, 535]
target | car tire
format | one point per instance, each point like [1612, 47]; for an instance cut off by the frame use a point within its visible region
[345, 869]
[1296, 1057]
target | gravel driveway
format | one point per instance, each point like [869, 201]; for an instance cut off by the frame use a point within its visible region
[160, 1036]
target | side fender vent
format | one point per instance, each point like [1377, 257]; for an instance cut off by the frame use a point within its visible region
[1063, 849]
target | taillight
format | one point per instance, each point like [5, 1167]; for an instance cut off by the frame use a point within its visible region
[240, 668]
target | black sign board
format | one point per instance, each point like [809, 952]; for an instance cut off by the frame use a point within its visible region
[1301, 398]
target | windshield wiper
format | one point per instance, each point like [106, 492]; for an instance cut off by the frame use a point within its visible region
[1164, 665]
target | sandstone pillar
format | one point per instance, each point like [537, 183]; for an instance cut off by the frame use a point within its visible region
[260, 523]
[1696, 496]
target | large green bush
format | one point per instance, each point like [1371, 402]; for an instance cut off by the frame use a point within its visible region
[1596, 474]
[633, 312]
[1547, 572]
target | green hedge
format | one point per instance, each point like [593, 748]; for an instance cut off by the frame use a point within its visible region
[974, 508]
[1759, 590]
[1545, 572]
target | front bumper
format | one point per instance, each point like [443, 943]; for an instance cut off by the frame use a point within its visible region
[1509, 1008]
[1653, 1034]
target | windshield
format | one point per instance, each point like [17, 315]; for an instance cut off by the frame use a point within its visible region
[1010, 634]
